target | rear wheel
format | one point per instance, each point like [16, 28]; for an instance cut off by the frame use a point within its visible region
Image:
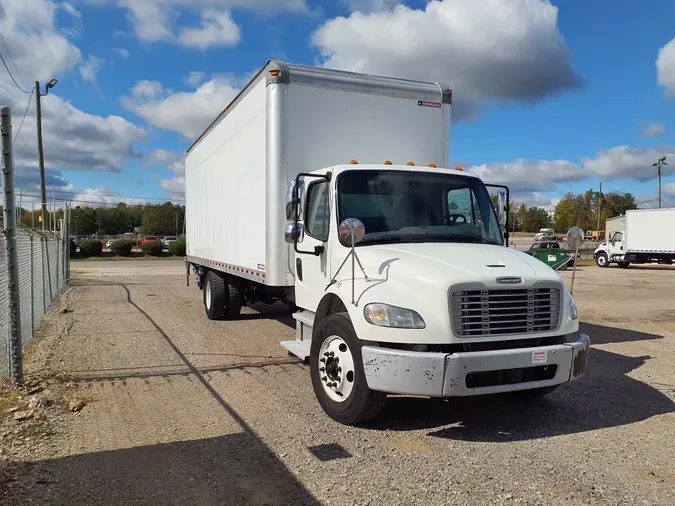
[602, 259]
[215, 296]
[336, 368]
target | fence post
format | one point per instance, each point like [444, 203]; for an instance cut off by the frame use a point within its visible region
[44, 287]
[9, 224]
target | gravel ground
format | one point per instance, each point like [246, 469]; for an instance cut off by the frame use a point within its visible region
[183, 410]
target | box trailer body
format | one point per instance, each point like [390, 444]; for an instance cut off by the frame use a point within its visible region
[292, 119]
[640, 236]
[330, 191]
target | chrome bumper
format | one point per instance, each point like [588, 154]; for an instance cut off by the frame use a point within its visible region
[444, 375]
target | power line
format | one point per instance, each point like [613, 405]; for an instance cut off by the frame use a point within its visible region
[22, 119]
[18, 72]
[102, 195]
[10, 75]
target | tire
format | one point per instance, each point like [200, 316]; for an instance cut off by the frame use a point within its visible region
[215, 296]
[623, 265]
[236, 298]
[602, 260]
[361, 403]
[535, 393]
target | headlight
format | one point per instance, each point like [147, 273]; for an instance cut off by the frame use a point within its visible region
[573, 307]
[384, 315]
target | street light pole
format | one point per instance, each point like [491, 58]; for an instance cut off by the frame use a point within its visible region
[659, 164]
[41, 159]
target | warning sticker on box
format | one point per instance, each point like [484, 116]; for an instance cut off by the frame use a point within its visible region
[551, 258]
[423, 103]
[539, 357]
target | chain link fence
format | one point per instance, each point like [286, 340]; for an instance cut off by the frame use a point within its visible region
[43, 268]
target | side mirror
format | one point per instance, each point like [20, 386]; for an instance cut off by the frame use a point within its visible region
[294, 232]
[299, 198]
[501, 209]
[575, 238]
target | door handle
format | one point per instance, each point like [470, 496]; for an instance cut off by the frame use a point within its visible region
[298, 268]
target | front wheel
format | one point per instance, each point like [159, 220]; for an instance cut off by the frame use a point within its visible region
[602, 259]
[338, 378]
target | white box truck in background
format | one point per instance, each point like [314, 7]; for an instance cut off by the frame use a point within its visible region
[320, 188]
[641, 236]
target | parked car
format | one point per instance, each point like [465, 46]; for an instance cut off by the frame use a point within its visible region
[148, 238]
[110, 243]
[168, 240]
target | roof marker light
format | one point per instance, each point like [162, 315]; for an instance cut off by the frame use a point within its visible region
[353, 162]
[411, 163]
[432, 165]
[459, 169]
[387, 162]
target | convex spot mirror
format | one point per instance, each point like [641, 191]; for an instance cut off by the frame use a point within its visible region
[351, 231]
[575, 238]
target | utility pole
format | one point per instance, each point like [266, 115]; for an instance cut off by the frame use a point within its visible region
[176, 214]
[41, 158]
[599, 209]
[659, 164]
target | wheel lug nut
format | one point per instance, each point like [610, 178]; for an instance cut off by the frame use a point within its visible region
[322, 369]
[322, 359]
[331, 354]
[326, 354]
[323, 378]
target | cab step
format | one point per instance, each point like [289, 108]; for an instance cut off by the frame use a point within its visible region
[304, 321]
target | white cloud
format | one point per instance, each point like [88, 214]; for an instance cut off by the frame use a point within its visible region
[124, 53]
[102, 197]
[187, 113]
[147, 89]
[73, 139]
[654, 130]
[194, 78]
[370, 5]
[665, 67]
[627, 162]
[217, 29]
[175, 187]
[39, 50]
[171, 159]
[531, 175]
[486, 50]
[157, 20]
[669, 189]
[90, 68]
[70, 9]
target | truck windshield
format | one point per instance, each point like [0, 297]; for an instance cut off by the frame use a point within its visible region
[408, 206]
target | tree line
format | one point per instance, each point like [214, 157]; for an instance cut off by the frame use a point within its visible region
[160, 219]
[573, 210]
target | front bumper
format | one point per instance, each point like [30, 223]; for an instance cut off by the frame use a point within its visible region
[447, 375]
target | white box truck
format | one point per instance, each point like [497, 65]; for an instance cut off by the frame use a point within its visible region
[641, 236]
[330, 191]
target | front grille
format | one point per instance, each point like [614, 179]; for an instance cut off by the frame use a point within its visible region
[478, 313]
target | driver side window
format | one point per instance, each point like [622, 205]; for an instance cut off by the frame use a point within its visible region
[618, 237]
[318, 214]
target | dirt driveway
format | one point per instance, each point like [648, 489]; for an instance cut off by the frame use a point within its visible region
[182, 410]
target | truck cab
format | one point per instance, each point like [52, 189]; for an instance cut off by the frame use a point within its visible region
[405, 286]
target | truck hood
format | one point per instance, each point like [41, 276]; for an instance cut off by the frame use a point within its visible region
[447, 264]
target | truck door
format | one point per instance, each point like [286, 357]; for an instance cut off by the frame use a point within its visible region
[616, 244]
[311, 265]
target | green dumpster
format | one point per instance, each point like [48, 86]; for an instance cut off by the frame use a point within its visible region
[551, 254]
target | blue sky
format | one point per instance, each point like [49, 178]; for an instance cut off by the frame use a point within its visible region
[550, 96]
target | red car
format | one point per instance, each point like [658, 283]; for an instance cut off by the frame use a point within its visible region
[148, 238]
